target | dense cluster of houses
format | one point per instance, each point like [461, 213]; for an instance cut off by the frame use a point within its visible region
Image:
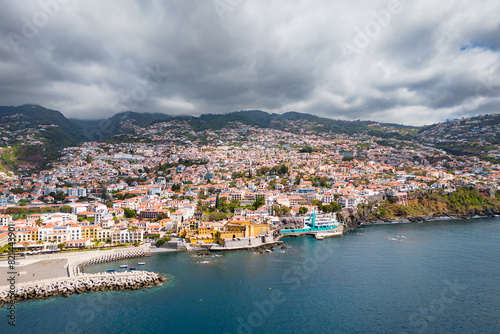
[173, 188]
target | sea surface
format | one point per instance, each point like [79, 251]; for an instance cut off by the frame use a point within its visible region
[434, 277]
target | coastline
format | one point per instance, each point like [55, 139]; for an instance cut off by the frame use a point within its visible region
[422, 219]
[75, 281]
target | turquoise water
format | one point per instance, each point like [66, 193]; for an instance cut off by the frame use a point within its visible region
[440, 277]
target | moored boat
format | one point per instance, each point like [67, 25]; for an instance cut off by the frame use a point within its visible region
[320, 227]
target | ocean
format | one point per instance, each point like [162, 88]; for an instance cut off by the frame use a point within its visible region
[433, 277]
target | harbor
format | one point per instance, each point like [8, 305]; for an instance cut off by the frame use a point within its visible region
[62, 275]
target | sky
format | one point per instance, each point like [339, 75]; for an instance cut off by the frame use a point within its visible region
[409, 62]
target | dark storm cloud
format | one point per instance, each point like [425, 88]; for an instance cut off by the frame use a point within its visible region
[409, 62]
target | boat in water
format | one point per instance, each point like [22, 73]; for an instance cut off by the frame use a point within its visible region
[111, 270]
[319, 227]
[132, 268]
[141, 263]
[123, 266]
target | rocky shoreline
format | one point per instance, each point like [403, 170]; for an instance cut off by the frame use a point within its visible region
[419, 219]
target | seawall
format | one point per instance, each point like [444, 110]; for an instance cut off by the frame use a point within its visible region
[78, 282]
[65, 286]
[75, 267]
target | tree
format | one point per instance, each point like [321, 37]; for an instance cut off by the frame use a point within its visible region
[283, 170]
[307, 149]
[259, 201]
[104, 194]
[317, 202]
[286, 210]
[129, 213]
[217, 216]
[233, 205]
[162, 215]
[59, 196]
[303, 210]
[176, 187]
[163, 240]
[279, 169]
[65, 209]
[278, 210]
[61, 245]
[323, 181]
[264, 170]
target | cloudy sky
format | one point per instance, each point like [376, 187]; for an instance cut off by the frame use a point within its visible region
[411, 62]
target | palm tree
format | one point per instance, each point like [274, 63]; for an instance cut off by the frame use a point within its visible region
[39, 222]
[25, 244]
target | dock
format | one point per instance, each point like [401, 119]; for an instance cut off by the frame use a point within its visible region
[320, 228]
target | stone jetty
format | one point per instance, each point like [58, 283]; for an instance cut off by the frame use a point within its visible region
[79, 282]
[65, 286]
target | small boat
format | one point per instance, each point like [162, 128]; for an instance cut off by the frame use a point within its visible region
[123, 266]
[111, 270]
[141, 263]
[319, 237]
[132, 268]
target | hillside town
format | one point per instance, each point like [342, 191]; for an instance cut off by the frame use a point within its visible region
[214, 187]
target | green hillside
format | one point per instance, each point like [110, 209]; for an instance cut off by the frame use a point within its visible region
[65, 133]
[257, 118]
[48, 131]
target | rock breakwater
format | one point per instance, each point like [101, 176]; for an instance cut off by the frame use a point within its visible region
[63, 287]
[77, 267]
[79, 282]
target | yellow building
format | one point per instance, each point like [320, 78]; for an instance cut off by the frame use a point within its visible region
[34, 233]
[90, 232]
[232, 230]
[204, 234]
[243, 229]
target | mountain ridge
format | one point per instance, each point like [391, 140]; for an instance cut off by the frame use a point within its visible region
[55, 131]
